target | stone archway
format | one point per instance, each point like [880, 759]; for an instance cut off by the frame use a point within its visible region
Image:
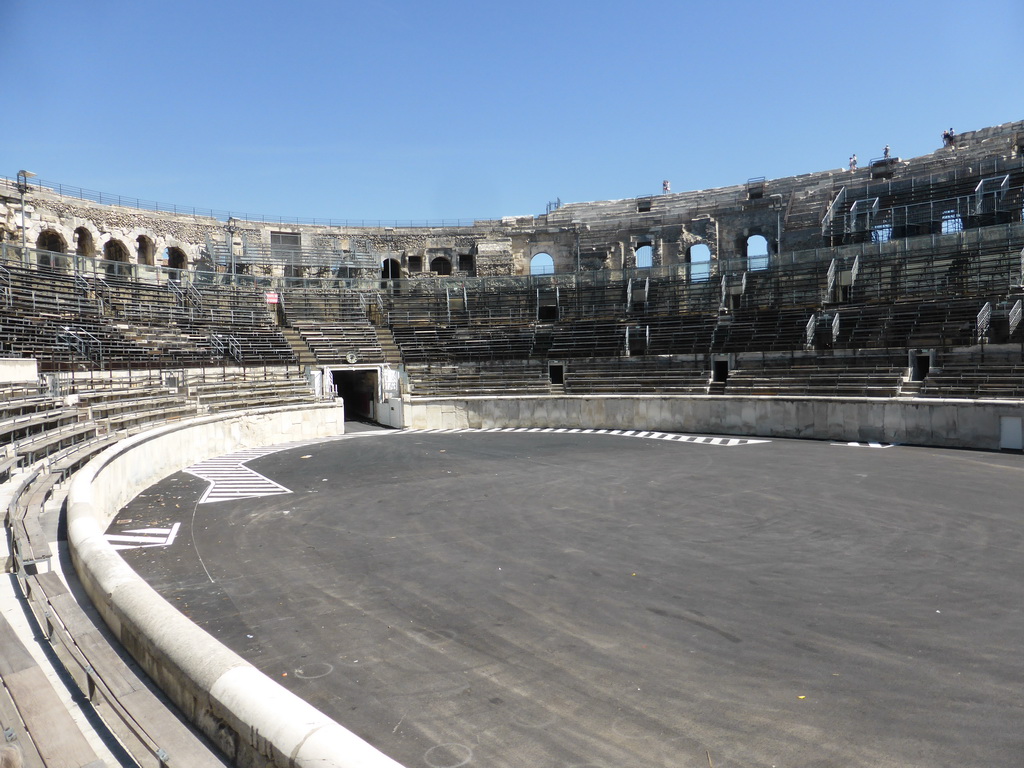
[700, 262]
[84, 243]
[176, 258]
[145, 250]
[644, 255]
[757, 251]
[542, 264]
[118, 258]
[441, 266]
[50, 242]
[115, 250]
[390, 269]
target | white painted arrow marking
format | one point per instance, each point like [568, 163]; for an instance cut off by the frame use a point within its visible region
[138, 538]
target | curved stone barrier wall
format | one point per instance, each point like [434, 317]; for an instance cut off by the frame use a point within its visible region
[257, 722]
[944, 423]
[253, 719]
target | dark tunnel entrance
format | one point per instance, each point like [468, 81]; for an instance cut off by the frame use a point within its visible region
[358, 390]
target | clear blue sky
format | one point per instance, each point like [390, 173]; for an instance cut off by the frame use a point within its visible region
[450, 109]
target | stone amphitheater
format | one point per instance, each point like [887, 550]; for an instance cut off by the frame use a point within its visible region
[879, 304]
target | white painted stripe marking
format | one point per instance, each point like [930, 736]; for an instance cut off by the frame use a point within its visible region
[698, 439]
[137, 538]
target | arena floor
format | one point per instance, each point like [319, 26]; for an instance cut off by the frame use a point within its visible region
[553, 599]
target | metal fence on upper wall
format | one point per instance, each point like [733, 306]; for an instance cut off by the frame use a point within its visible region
[106, 198]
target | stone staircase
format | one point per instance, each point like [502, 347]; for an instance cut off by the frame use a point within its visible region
[303, 353]
[386, 339]
[909, 388]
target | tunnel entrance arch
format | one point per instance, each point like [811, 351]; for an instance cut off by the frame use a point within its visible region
[390, 269]
[359, 389]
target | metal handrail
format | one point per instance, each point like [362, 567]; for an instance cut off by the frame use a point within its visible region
[1016, 313]
[82, 342]
[833, 207]
[830, 283]
[984, 320]
[984, 189]
[193, 295]
[810, 330]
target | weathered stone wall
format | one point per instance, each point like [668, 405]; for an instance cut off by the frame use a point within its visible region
[787, 212]
[947, 423]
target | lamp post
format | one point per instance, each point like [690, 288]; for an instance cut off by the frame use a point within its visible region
[777, 203]
[23, 177]
[232, 228]
[576, 226]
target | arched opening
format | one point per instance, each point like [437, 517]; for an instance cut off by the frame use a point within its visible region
[176, 259]
[700, 262]
[390, 269]
[441, 266]
[644, 256]
[951, 223]
[115, 250]
[84, 245]
[50, 242]
[116, 253]
[145, 250]
[542, 264]
[757, 253]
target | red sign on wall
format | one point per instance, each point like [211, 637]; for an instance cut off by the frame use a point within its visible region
[271, 297]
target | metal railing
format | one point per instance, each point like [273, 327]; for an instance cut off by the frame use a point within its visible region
[680, 212]
[107, 198]
[91, 268]
[1016, 313]
[830, 282]
[833, 207]
[810, 330]
[984, 320]
[82, 343]
[5, 287]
